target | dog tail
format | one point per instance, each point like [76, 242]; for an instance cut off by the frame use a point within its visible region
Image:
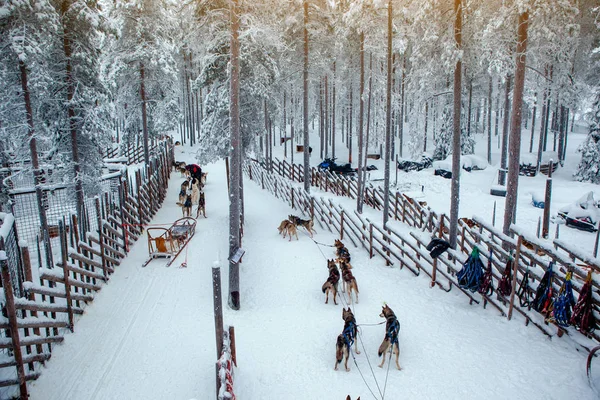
[326, 285]
[383, 347]
[356, 285]
[339, 349]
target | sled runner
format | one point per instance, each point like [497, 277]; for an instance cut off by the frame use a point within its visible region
[169, 242]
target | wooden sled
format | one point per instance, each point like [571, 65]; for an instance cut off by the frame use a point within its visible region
[168, 243]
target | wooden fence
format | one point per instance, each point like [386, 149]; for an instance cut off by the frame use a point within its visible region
[55, 295]
[408, 250]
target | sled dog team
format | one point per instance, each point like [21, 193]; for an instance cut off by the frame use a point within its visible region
[347, 338]
[191, 193]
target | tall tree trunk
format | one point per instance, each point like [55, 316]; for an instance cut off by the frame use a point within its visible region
[561, 135]
[368, 117]
[504, 150]
[455, 184]
[327, 134]
[401, 118]
[388, 119]
[425, 133]
[350, 124]
[470, 109]
[71, 115]
[534, 111]
[361, 111]
[515, 124]
[333, 98]
[37, 173]
[305, 117]
[489, 121]
[234, 190]
[321, 127]
[284, 124]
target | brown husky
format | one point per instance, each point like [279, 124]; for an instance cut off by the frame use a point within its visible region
[201, 205]
[350, 284]
[392, 327]
[345, 339]
[331, 283]
[288, 228]
[341, 251]
[307, 224]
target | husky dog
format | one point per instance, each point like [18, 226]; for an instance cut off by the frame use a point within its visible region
[195, 186]
[350, 284]
[182, 192]
[187, 204]
[341, 251]
[392, 327]
[346, 339]
[288, 228]
[307, 224]
[348, 398]
[201, 205]
[331, 283]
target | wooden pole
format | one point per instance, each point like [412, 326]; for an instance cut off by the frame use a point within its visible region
[232, 345]
[342, 225]
[12, 321]
[514, 277]
[440, 235]
[370, 240]
[218, 307]
[101, 238]
[65, 260]
[547, 200]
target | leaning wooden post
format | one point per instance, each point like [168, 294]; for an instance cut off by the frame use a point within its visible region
[514, 277]
[12, 322]
[65, 260]
[101, 238]
[342, 225]
[547, 199]
[396, 203]
[292, 196]
[371, 240]
[596, 243]
[30, 296]
[218, 307]
[440, 235]
[232, 345]
[494, 215]
[312, 208]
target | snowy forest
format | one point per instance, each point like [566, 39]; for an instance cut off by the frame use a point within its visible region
[126, 71]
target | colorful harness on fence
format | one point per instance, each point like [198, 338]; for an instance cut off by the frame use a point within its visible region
[524, 292]
[543, 296]
[487, 288]
[392, 332]
[565, 302]
[471, 275]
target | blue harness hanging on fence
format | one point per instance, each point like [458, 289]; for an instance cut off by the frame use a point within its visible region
[392, 332]
[471, 275]
[348, 334]
[565, 302]
[543, 295]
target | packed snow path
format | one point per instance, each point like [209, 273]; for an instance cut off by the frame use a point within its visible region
[149, 334]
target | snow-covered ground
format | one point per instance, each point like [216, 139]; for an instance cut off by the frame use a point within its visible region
[149, 334]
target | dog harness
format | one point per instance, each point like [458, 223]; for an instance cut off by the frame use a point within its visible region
[392, 332]
[348, 334]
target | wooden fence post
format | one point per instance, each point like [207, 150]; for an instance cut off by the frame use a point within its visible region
[342, 225]
[12, 321]
[31, 295]
[440, 235]
[218, 307]
[370, 240]
[514, 277]
[232, 345]
[101, 238]
[312, 208]
[65, 260]
[292, 196]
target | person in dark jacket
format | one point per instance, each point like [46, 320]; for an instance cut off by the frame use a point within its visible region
[195, 171]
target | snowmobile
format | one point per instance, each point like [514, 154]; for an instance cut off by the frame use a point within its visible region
[582, 214]
[408, 165]
[329, 164]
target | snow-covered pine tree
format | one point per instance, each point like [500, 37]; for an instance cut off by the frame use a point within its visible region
[588, 169]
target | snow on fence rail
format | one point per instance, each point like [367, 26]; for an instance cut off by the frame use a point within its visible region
[53, 295]
[409, 250]
[225, 366]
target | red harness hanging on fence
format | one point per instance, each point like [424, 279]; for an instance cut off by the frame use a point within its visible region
[583, 317]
